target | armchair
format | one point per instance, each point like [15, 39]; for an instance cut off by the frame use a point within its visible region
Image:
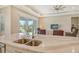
[73, 34]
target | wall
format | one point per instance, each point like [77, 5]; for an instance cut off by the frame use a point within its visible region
[63, 21]
[12, 14]
[6, 11]
[42, 23]
[11, 17]
[16, 13]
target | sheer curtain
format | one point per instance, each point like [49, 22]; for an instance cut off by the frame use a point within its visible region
[1, 24]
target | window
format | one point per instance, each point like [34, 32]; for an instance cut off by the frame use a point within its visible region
[27, 26]
[1, 24]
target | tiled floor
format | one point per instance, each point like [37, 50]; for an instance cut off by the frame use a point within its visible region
[67, 49]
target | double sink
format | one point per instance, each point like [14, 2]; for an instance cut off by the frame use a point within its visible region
[28, 42]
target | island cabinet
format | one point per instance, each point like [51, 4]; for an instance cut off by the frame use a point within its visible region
[13, 49]
[58, 32]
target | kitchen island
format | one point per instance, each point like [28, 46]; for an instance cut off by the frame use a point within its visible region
[50, 44]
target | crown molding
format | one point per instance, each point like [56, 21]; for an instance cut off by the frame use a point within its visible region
[3, 6]
[61, 13]
[34, 9]
[26, 10]
[36, 13]
[22, 8]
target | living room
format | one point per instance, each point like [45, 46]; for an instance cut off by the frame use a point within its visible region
[46, 17]
[62, 20]
[29, 29]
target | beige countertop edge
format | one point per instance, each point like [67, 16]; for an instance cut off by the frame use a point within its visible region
[34, 49]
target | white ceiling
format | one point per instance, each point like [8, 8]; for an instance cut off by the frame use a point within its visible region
[47, 10]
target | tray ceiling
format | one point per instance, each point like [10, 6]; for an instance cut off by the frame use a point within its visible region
[47, 10]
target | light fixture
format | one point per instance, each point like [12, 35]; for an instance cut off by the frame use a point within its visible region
[58, 7]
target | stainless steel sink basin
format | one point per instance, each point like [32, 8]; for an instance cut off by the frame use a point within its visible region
[28, 42]
[22, 41]
[34, 43]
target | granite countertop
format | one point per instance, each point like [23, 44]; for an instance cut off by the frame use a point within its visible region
[49, 43]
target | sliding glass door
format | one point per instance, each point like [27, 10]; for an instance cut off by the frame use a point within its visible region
[27, 26]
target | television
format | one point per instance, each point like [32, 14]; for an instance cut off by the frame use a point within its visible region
[54, 26]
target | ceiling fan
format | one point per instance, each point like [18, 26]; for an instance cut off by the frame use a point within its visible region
[58, 7]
